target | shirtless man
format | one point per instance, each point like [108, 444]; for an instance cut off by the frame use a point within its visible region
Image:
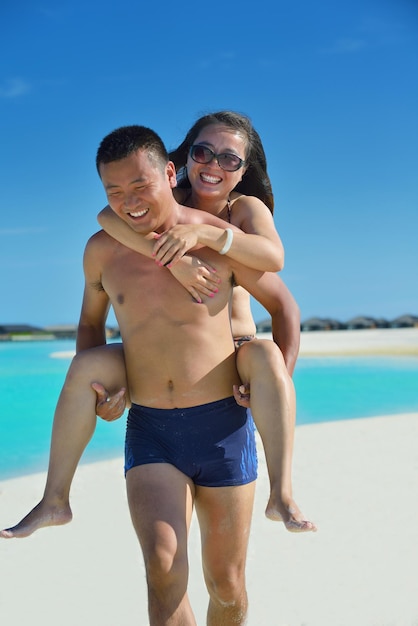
[186, 436]
[188, 443]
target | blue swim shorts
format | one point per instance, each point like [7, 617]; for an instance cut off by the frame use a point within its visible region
[213, 444]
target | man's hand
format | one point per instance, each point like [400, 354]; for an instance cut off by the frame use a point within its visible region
[242, 395]
[107, 407]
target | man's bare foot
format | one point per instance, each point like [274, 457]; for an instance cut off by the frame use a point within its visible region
[291, 515]
[41, 516]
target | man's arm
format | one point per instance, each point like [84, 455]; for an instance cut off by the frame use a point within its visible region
[285, 320]
[271, 292]
[91, 330]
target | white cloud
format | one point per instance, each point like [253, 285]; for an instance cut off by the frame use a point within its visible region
[372, 32]
[14, 88]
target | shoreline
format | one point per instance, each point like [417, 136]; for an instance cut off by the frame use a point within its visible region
[356, 479]
[367, 342]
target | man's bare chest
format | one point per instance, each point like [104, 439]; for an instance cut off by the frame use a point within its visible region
[130, 276]
[135, 283]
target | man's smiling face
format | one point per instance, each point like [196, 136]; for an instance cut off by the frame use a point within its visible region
[139, 190]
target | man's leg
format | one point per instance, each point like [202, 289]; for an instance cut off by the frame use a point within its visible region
[224, 515]
[161, 503]
[273, 407]
[74, 424]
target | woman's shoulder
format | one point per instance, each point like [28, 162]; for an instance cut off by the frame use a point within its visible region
[242, 201]
[243, 207]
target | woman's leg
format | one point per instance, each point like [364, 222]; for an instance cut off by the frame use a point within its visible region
[73, 427]
[273, 406]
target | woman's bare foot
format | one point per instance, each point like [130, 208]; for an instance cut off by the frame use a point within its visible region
[42, 515]
[290, 514]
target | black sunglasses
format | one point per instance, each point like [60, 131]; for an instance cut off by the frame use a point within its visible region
[226, 160]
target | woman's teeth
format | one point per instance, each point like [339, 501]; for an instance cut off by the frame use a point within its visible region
[210, 179]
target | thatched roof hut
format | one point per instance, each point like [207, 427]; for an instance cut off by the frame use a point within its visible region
[264, 326]
[318, 323]
[404, 321]
[361, 321]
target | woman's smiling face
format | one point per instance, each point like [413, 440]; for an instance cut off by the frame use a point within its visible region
[209, 178]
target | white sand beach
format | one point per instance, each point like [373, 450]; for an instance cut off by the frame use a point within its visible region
[356, 479]
[375, 341]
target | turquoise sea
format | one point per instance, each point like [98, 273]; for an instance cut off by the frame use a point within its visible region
[328, 388]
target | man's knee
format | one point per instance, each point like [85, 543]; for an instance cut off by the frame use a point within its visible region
[226, 587]
[166, 571]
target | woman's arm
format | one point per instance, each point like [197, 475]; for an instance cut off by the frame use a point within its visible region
[252, 250]
[198, 278]
[259, 247]
[119, 230]
[256, 245]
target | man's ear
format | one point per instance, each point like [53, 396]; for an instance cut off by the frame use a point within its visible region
[171, 173]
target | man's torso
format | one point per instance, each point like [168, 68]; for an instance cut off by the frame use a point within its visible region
[178, 353]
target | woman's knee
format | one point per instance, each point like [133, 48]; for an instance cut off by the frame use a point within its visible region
[255, 356]
[104, 364]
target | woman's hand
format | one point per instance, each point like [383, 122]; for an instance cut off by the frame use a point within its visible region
[174, 243]
[196, 276]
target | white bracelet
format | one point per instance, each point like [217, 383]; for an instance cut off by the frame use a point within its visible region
[228, 243]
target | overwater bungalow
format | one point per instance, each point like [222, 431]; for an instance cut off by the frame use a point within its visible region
[404, 321]
[321, 323]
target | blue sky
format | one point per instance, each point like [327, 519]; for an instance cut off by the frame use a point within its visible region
[331, 86]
